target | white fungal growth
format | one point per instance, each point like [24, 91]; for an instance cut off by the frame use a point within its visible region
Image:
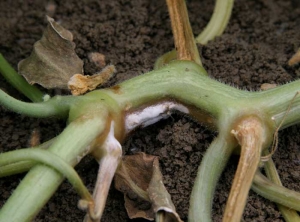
[111, 143]
[152, 115]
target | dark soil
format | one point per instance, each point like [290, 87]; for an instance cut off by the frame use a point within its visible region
[261, 37]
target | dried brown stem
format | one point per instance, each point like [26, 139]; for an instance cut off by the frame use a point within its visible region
[250, 134]
[183, 35]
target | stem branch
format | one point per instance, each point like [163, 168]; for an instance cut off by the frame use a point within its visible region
[17, 81]
[49, 159]
[208, 174]
[250, 135]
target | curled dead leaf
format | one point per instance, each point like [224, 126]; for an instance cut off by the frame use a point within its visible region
[79, 84]
[140, 179]
[53, 60]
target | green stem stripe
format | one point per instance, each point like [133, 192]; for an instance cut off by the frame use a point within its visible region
[187, 83]
[209, 171]
[22, 166]
[276, 193]
[17, 81]
[57, 106]
[49, 159]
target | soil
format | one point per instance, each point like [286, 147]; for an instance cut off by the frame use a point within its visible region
[261, 37]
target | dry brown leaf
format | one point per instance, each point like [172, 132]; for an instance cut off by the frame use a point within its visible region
[53, 60]
[159, 196]
[79, 84]
[140, 179]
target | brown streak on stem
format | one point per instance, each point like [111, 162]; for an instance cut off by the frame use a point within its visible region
[183, 36]
[250, 134]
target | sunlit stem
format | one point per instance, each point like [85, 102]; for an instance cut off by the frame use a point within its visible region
[250, 135]
[42, 181]
[17, 81]
[112, 153]
[185, 44]
[211, 167]
[49, 159]
[218, 21]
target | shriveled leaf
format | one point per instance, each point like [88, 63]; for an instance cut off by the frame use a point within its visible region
[140, 179]
[136, 169]
[79, 84]
[53, 60]
[159, 196]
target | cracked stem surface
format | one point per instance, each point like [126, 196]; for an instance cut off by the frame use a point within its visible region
[250, 135]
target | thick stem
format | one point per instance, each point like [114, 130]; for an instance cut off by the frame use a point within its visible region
[17, 81]
[208, 174]
[41, 182]
[180, 80]
[250, 134]
[185, 44]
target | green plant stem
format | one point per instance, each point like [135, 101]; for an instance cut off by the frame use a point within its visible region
[276, 193]
[17, 81]
[22, 166]
[218, 21]
[180, 81]
[288, 214]
[208, 174]
[57, 106]
[41, 181]
[51, 160]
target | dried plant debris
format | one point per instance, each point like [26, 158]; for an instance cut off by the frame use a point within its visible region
[97, 58]
[266, 86]
[53, 60]
[79, 84]
[140, 179]
[295, 59]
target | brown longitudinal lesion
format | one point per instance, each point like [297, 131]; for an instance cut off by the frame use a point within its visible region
[251, 136]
